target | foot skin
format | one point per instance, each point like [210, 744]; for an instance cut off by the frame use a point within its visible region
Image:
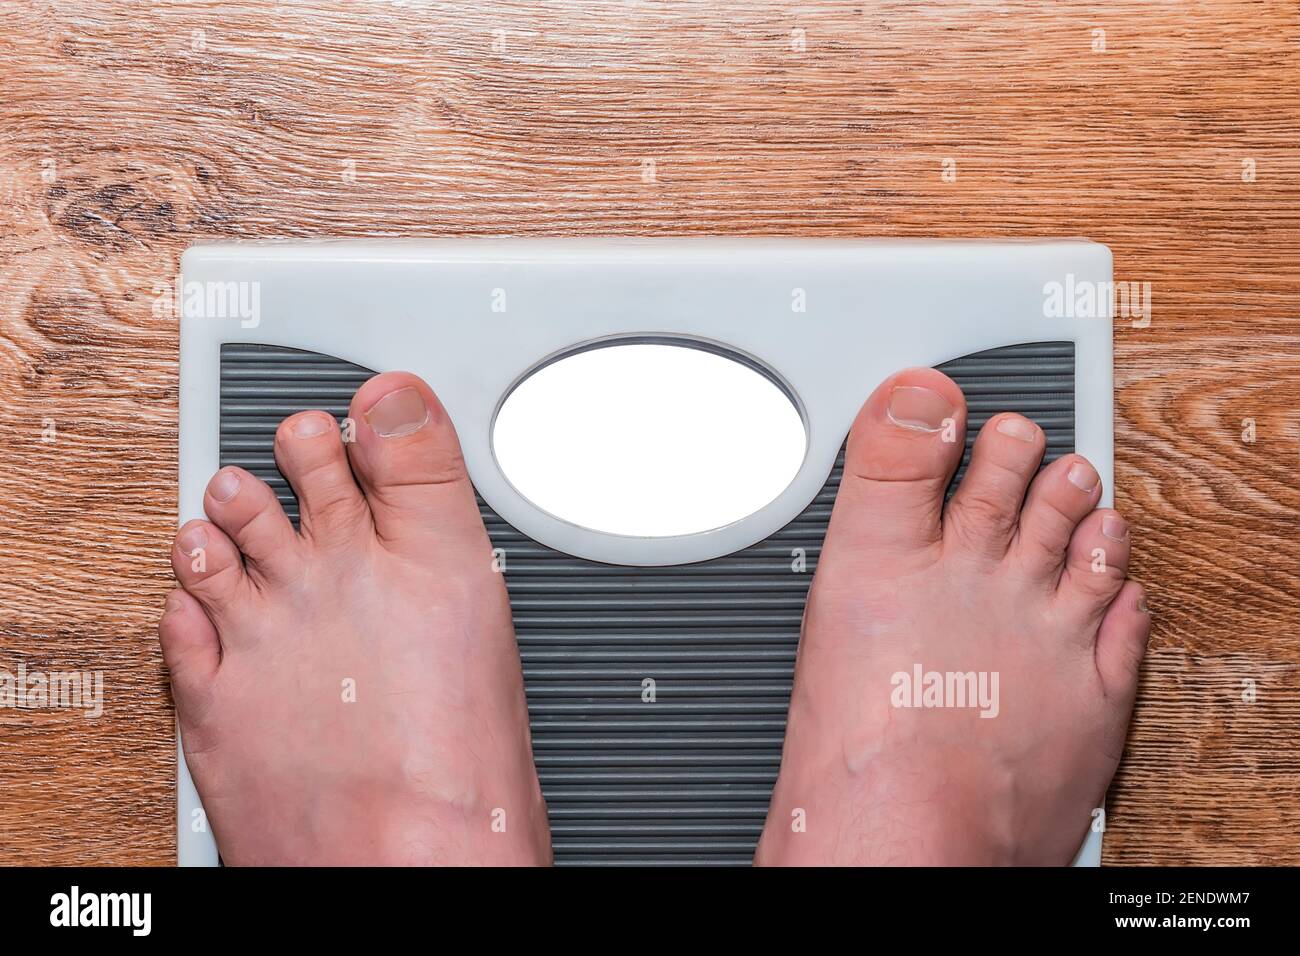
[352, 694]
[1021, 576]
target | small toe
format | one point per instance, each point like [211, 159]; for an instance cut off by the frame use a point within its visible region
[192, 651]
[309, 452]
[408, 461]
[208, 565]
[984, 512]
[902, 451]
[1122, 642]
[1096, 563]
[1059, 498]
[246, 509]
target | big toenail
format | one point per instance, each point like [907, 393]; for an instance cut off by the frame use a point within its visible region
[398, 413]
[1114, 527]
[191, 539]
[918, 408]
[224, 485]
[1083, 476]
[1142, 604]
[172, 604]
[1017, 427]
[309, 426]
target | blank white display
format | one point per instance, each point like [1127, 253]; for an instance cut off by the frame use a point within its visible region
[649, 440]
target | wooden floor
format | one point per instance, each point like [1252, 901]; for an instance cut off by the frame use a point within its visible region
[1171, 132]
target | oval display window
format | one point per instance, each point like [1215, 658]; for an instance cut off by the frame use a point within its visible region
[649, 439]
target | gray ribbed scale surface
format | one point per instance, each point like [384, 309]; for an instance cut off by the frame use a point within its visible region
[684, 780]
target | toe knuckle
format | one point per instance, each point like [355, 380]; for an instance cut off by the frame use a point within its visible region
[335, 502]
[1099, 573]
[215, 580]
[980, 512]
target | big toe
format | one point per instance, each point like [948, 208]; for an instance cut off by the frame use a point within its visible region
[901, 454]
[407, 458]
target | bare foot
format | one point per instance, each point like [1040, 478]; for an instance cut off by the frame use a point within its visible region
[1015, 596]
[352, 694]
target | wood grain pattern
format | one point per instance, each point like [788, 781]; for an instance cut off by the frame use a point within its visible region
[130, 130]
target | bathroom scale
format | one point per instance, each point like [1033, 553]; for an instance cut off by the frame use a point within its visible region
[273, 328]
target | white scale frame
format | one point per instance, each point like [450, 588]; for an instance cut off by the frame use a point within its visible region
[870, 307]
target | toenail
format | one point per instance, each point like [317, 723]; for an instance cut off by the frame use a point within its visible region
[1142, 604]
[192, 538]
[920, 409]
[398, 413]
[309, 426]
[1018, 427]
[1083, 476]
[1114, 527]
[172, 604]
[224, 485]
